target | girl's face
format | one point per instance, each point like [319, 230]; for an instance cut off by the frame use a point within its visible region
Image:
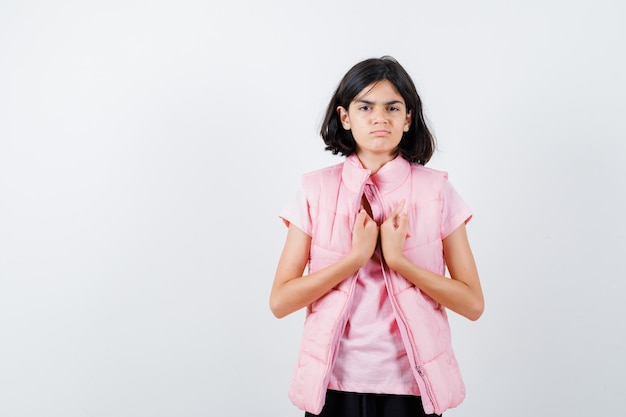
[378, 118]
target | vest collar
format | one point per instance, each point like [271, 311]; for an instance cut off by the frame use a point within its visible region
[389, 176]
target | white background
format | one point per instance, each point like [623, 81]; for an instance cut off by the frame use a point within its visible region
[146, 148]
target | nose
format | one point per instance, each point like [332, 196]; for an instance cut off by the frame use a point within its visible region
[379, 116]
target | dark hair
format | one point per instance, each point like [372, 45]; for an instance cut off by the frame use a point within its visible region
[417, 145]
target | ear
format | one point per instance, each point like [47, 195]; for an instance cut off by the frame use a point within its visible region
[408, 120]
[343, 117]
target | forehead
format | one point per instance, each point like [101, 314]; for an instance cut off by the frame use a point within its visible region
[383, 90]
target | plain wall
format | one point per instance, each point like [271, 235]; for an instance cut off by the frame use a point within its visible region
[146, 148]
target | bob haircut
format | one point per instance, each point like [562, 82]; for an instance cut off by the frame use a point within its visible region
[416, 146]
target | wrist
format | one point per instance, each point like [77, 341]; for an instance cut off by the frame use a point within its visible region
[395, 260]
[355, 260]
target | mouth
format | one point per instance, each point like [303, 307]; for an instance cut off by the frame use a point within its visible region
[380, 132]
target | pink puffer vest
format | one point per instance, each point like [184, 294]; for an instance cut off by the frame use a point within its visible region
[334, 198]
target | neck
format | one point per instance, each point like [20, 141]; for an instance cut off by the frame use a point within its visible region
[374, 162]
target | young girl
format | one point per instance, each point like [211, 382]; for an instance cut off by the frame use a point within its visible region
[377, 232]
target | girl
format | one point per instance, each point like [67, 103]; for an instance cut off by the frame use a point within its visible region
[377, 232]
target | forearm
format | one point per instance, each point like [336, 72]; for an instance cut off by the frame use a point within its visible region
[453, 294]
[296, 293]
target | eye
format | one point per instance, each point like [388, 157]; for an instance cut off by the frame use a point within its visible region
[365, 107]
[393, 108]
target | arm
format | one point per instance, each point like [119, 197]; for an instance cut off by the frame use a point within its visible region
[461, 294]
[291, 290]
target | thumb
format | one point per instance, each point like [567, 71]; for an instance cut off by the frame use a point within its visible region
[399, 208]
[361, 216]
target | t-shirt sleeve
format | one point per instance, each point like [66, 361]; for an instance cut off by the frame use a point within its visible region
[296, 212]
[455, 211]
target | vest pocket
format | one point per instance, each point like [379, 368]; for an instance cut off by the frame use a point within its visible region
[320, 323]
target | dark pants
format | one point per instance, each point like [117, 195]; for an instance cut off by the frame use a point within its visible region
[351, 404]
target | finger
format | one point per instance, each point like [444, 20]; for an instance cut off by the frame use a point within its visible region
[403, 223]
[403, 220]
[363, 217]
[360, 217]
[398, 209]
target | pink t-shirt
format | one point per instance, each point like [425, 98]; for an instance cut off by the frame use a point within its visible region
[371, 356]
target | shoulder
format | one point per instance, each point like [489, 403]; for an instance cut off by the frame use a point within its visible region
[428, 172]
[425, 175]
[318, 182]
[324, 172]
[322, 175]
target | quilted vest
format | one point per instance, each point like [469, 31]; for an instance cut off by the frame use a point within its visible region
[334, 199]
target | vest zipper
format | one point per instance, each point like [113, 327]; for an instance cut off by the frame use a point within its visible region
[404, 328]
[429, 392]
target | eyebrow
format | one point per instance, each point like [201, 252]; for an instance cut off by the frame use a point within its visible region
[386, 103]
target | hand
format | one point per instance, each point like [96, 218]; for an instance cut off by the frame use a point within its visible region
[393, 233]
[364, 237]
